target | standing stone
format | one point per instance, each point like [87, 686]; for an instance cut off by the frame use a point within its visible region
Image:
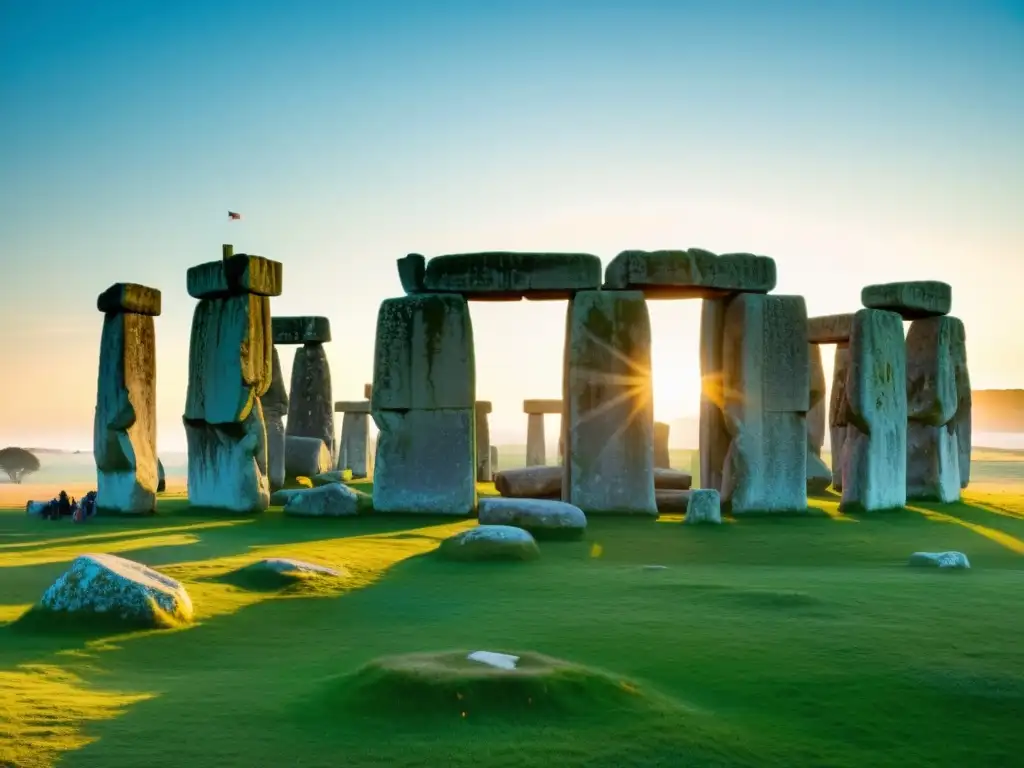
[424, 401]
[483, 443]
[875, 454]
[816, 416]
[494, 460]
[536, 453]
[661, 453]
[933, 452]
[609, 466]
[124, 428]
[714, 438]
[963, 410]
[837, 407]
[310, 407]
[275, 406]
[354, 446]
[766, 374]
[230, 369]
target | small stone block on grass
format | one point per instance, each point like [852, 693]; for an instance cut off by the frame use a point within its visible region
[544, 518]
[490, 542]
[954, 560]
[704, 506]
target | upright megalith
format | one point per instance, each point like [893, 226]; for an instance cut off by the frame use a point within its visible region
[875, 452]
[354, 446]
[275, 408]
[661, 452]
[963, 408]
[609, 450]
[536, 441]
[933, 400]
[124, 429]
[828, 329]
[837, 408]
[484, 471]
[423, 403]
[819, 474]
[714, 437]
[766, 383]
[230, 369]
[310, 405]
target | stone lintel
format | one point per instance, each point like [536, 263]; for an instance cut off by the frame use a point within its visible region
[690, 274]
[352, 406]
[912, 300]
[508, 276]
[367, 391]
[830, 329]
[235, 275]
[411, 270]
[483, 406]
[540, 407]
[130, 298]
[301, 329]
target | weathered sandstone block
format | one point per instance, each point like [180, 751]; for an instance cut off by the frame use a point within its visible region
[124, 427]
[310, 401]
[425, 461]
[305, 456]
[766, 374]
[411, 271]
[275, 407]
[536, 448]
[235, 275]
[512, 276]
[529, 482]
[816, 414]
[933, 462]
[672, 479]
[661, 452]
[875, 453]
[483, 442]
[310, 329]
[609, 464]
[354, 450]
[837, 412]
[830, 329]
[692, 273]
[714, 437]
[911, 300]
[424, 354]
[130, 297]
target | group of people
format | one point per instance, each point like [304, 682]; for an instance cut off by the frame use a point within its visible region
[65, 506]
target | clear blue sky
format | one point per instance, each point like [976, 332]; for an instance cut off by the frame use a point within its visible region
[853, 142]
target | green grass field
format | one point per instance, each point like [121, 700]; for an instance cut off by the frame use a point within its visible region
[765, 642]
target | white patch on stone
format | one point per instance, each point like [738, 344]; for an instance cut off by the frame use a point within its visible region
[940, 560]
[102, 583]
[494, 659]
[333, 500]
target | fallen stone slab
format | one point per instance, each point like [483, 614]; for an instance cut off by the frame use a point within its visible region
[671, 501]
[543, 519]
[334, 500]
[301, 329]
[705, 506]
[830, 329]
[326, 478]
[952, 560]
[690, 274]
[503, 275]
[933, 463]
[161, 477]
[911, 300]
[233, 276]
[281, 496]
[305, 456]
[130, 297]
[490, 542]
[672, 479]
[115, 587]
[662, 455]
[529, 482]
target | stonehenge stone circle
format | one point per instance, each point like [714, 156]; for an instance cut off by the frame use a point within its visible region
[536, 442]
[124, 428]
[354, 446]
[310, 404]
[423, 403]
[275, 408]
[230, 369]
[875, 451]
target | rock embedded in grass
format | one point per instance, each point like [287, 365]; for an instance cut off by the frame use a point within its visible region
[291, 568]
[542, 518]
[948, 560]
[117, 588]
[334, 500]
[490, 542]
[705, 506]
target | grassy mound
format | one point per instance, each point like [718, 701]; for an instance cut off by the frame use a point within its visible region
[447, 684]
[257, 578]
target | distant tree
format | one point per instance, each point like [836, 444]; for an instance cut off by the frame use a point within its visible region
[17, 462]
